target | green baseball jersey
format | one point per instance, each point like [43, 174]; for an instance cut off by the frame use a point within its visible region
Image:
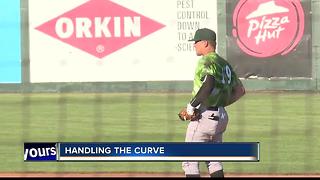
[225, 78]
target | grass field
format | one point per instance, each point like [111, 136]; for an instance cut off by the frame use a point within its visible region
[287, 125]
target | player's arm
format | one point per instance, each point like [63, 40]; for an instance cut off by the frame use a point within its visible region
[204, 91]
[237, 92]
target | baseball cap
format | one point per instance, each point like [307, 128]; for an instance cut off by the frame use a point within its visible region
[204, 34]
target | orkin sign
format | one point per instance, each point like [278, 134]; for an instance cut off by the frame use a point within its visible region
[80, 40]
[268, 27]
[100, 27]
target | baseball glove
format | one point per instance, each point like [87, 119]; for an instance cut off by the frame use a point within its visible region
[184, 116]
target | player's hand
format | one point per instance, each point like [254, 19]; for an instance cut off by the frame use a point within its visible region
[184, 116]
[190, 109]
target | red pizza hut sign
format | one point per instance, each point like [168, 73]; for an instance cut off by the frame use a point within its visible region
[100, 27]
[267, 28]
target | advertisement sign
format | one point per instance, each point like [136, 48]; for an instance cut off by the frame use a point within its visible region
[10, 35]
[270, 38]
[115, 40]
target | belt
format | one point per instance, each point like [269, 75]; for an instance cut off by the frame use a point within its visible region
[213, 108]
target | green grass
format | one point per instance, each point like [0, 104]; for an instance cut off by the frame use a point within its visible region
[285, 124]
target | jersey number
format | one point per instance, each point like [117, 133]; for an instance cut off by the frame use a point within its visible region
[226, 75]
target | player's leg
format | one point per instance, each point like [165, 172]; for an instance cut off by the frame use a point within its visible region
[216, 168]
[191, 169]
[198, 131]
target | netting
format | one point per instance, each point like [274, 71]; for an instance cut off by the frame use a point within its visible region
[284, 123]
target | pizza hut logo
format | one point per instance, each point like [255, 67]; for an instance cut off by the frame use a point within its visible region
[266, 28]
[100, 27]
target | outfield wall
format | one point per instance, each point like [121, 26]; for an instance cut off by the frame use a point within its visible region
[53, 61]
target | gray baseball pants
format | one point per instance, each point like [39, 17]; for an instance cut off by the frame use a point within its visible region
[209, 128]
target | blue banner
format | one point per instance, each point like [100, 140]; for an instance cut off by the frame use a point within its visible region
[180, 151]
[10, 38]
[158, 151]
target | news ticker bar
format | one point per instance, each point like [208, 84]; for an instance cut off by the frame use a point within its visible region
[74, 151]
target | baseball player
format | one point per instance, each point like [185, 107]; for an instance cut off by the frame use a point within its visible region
[215, 86]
